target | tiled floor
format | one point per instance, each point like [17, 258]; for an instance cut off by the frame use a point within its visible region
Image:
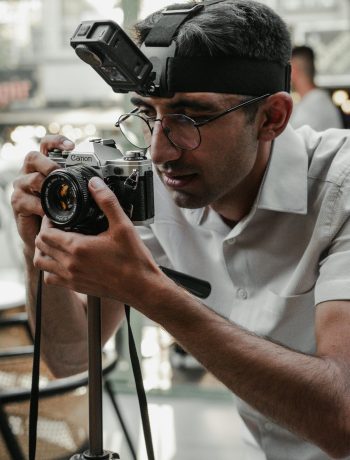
[192, 415]
[182, 429]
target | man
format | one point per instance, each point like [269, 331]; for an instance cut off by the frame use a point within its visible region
[315, 107]
[259, 211]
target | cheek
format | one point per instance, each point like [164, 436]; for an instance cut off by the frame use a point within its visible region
[230, 154]
[232, 167]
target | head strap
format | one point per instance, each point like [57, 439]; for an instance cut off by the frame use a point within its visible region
[164, 30]
[230, 74]
[226, 75]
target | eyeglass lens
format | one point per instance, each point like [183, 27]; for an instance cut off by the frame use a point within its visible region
[135, 130]
[179, 129]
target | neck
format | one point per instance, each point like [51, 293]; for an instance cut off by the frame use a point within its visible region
[238, 203]
[305, 87]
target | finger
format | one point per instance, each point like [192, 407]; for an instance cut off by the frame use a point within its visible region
[30, 183]
[26, 204]
[25, 198]
[51, 142]
[36, 162]
[49, 250]
[65, 242]
[52, 279]
[106, 200]
[55, 280]
[55, 238]
[45, 263]
[46, 223]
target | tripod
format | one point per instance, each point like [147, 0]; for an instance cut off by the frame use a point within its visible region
[197, 287]
[96, 451]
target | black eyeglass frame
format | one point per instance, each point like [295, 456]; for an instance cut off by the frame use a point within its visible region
[196, 124]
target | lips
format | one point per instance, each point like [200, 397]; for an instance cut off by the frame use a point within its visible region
[177, 181]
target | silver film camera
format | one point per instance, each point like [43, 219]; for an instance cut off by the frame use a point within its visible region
[65, 196]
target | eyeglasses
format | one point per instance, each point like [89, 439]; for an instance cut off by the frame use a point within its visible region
[182, 131]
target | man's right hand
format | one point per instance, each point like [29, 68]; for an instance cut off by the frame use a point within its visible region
[25, 199]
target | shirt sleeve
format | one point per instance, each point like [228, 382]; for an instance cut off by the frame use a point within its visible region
[334, 277]
[150, 240]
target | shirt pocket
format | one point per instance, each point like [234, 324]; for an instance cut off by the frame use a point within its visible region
[289, 320]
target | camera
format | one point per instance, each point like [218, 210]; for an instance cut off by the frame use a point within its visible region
[65, 197]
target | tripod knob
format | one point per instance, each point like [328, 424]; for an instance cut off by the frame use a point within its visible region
[87, 456]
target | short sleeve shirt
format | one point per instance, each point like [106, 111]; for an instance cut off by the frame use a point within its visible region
[317, 110]
[268, 273]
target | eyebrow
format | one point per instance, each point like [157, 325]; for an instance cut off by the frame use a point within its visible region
[181, 103]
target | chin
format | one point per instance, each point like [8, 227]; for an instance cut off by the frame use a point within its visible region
[187, 201]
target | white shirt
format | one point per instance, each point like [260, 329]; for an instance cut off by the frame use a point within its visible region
[289, 253]
[316, 109]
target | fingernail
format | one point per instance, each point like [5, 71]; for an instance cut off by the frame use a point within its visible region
[96, 183]
[67, 144]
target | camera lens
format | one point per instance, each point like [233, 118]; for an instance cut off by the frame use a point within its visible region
[66, 200]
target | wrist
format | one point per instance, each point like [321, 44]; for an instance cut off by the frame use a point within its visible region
[165, 301]
[28, 253]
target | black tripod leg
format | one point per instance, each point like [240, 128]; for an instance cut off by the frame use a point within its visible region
[120, 418]
[9, 438]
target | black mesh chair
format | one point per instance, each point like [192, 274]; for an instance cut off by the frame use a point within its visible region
[63, 407]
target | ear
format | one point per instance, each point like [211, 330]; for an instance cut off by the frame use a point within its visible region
[274, 116]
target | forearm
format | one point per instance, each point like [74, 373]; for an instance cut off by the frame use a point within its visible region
[63, 324]
[308, 395]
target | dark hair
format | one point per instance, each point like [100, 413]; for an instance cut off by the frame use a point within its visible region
[308, 59]
[229, 28]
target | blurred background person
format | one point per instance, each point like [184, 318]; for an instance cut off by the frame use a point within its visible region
[315, 107]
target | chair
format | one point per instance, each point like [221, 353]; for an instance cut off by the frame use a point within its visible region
[63, 407]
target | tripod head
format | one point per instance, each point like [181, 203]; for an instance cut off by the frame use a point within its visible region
[104, 456]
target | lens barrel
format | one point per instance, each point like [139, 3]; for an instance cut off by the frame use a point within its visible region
[66, 200]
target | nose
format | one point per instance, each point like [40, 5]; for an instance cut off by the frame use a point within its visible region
[162, 150]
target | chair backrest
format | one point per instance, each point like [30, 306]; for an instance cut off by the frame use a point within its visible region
[63, 408]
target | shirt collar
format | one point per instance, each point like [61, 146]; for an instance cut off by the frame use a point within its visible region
[284, 187]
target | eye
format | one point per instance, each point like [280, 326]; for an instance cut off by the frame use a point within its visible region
[198, 118]
[146, 112]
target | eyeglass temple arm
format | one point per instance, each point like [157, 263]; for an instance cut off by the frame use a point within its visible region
[124, 117]
[233, 109]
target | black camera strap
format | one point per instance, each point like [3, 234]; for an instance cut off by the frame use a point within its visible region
[140, 389]
[34, 395]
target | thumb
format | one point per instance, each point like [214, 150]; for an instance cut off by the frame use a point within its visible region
[106, 200]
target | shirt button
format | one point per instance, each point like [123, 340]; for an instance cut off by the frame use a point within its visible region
[268, 425]
[242, 293]
[230, 241]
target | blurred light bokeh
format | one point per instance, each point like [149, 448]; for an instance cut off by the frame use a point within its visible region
[46, 89]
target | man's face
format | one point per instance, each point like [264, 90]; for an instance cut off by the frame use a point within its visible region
[213, 172]
[297, 66]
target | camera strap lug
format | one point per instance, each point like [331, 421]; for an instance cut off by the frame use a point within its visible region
[132, 181]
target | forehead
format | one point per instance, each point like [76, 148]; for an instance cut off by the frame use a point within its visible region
[196, 100]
